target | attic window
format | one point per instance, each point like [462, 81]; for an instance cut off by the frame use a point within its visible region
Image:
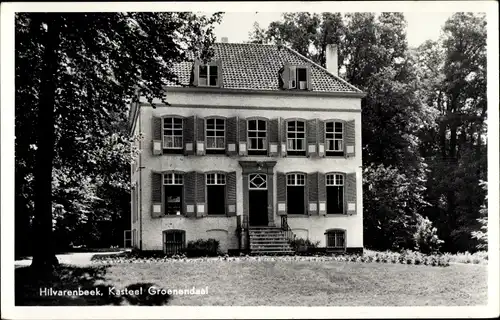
[208, 75]
[296, 77]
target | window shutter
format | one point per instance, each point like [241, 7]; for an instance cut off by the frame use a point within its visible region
[231, 193]
[321, 137]
[321, 194]
[309, 81]
[351, 192]
[292, 77]
[312, 189]
[196, 73]
[200, 195]
[283, 136]
[231, 135]
[219, 73]
[200, 136]
[188, 135]
[156, 195]
[281, 192]
[273, 137]
[157, 136]
[311, 137]
[189, 194]
[242, 134]
[285, 75]
[350, 138]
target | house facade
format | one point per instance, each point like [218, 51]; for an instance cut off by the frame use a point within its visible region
[256, 145]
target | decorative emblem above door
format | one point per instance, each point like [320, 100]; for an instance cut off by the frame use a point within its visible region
[257, 181]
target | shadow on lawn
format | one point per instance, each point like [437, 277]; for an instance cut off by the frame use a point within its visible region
[33, 289]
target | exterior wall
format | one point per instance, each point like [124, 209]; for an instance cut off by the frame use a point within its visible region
[268, 106]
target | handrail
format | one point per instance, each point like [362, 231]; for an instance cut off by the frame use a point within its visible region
[286, 229]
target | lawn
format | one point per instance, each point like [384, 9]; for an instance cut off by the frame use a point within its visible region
[275, 283]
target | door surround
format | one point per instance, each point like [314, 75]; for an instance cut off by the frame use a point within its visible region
[264, 167]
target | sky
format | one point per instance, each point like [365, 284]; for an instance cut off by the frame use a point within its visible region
[422, 26]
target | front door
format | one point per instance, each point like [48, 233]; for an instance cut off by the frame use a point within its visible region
[257, 200]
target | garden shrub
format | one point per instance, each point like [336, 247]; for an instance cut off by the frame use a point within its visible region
[301, 245]
[202, 248]
[425, 236]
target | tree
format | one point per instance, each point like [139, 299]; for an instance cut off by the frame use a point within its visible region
[482, 234]
[86, 67]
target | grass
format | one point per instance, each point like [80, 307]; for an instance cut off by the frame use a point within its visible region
[275, 283]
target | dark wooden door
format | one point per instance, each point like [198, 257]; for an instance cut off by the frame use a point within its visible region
[257, 207]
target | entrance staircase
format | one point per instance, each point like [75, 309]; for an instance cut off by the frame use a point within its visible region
[268, 241]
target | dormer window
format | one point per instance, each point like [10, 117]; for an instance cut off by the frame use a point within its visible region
[296, 77]
[208, 75]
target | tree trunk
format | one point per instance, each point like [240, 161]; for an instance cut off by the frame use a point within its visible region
[44, 258]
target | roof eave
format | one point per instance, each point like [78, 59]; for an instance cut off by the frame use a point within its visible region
[359, 94]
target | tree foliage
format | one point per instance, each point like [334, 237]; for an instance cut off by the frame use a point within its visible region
[75, 75]
[423, 117]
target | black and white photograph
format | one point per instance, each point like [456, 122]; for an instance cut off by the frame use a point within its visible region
[208, 154]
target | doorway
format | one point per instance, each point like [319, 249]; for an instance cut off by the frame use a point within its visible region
[257, 200]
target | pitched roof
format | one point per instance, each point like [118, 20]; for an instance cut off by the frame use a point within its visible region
[256, 67]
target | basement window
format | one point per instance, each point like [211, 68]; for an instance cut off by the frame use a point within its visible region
[335, 239]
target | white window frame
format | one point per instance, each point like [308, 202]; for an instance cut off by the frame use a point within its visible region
[177, 179]
[336, 234]
[257, 130]
[335, 138]
[295, 132]
[262, 186]
[208, 75]
[214, 130]
[172, 132]
[219, 179]
[296, 180]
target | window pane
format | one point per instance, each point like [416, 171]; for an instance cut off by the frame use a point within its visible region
[338, 145]
[203, 71]
[262, 125]
[213, 80]
[295, 200]
[300, 126]
[220, 124]
[210, 124]
[213, 70]
[252, 125]
[177, 142]
[219, 142]
[219, 133]
[329, 127]
[338, 127]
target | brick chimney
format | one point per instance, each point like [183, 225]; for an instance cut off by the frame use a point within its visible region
[224, 40]
[332, 59]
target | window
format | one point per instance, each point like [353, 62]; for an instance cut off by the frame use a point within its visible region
[257, 181]
[172, 133]
[296, 137]
[216, 193]
[298, 78]
[208, 76]
[295, 193]
[334, 132]
[335, 193]
[173, 241]
[257, 137]
[173, 185]
[335, 238]
[215, 134]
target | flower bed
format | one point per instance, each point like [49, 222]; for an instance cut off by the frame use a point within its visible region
[407, 257]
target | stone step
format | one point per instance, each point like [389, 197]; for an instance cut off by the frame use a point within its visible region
[271, 252]
[269, 241]
[270, 245]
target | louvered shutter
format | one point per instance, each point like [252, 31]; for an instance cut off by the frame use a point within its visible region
[231, 193]
[321, 194]
[242, 136]
[196, 73]
[321, 137]
[282, 133]
[312, 190]
[309, 81]
[351, 193]
[200, 136]
[292, 77]
[273, 138]
[200, 195]
[350, 138]
[231, 135]
[219, 73]
[188, 135]
[157, 136]
[285, 75]
[281, 192]
[311, 137]
[156, 195]
[189, 194]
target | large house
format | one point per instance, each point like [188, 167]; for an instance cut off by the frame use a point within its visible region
[257, 146]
